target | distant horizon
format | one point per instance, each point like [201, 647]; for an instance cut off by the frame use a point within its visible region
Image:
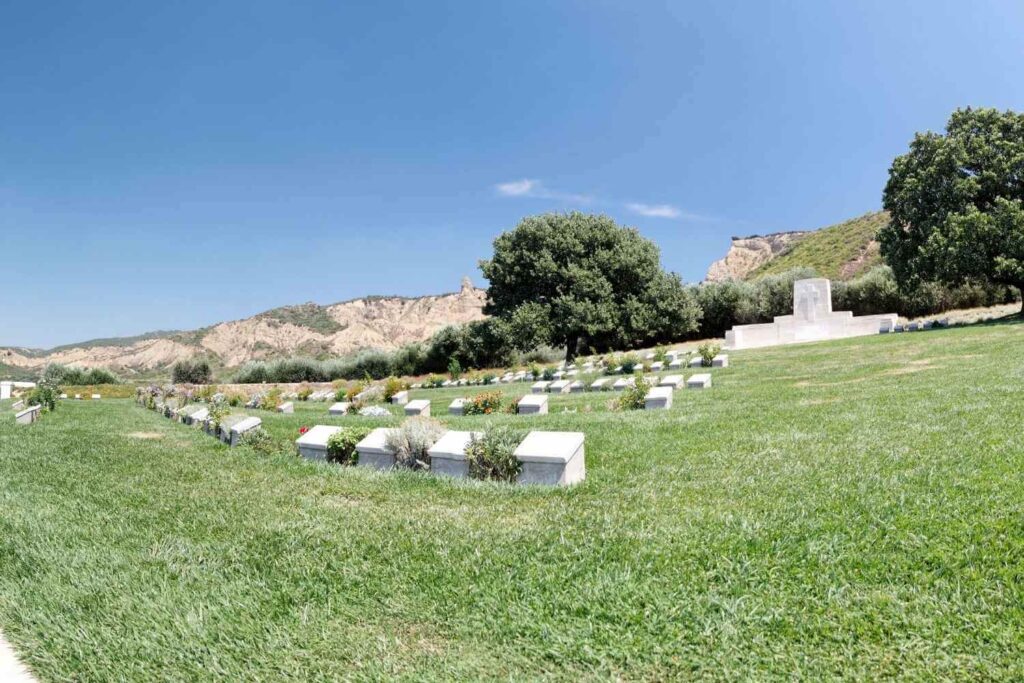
[168, 166]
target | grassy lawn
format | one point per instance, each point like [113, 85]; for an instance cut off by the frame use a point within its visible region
[840, 510]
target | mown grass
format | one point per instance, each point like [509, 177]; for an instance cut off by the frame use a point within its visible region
[844, 510]
[832, 251]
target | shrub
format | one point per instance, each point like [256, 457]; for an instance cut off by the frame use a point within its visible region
[341, 446]
[411, 441]
[483, 404]
[661, 354]
[488, 379]
[629, 362]
[341, 394]
[355, 390]
[548, 374]
[56, 374]
[434, 382]
[192, 372]
[205, 393]
[392, 386]
[236, 399]
[261, 441]
[632, 398]
[454, 369]
[271, 400]
[374, 411]
[45, 394]
[707, 352]
[218, 410]
[491, 456]
[304, 392]
[534, 371]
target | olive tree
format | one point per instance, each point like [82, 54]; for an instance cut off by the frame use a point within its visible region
[955, 201]
[578, 280]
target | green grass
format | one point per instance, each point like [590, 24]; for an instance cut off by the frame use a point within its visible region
[833, 251]
[844, 510]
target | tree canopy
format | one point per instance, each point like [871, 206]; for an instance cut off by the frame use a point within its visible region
[956, 203]
[581, 281]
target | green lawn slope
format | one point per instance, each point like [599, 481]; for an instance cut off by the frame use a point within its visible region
[838, 252]
[838, 510]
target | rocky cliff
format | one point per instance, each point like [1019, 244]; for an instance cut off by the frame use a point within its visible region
[380, 322]
[747, 254]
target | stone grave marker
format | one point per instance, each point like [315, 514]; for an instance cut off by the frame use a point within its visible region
[420, 406]
[552, 458]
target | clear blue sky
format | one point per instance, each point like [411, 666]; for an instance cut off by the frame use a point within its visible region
[171, 165]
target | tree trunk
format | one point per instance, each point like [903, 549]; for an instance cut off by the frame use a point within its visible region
[570, 349]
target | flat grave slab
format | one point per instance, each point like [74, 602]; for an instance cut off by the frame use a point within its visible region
[400, 398]
[456, 406]
[540, 387]
[621, 384]
[246, 425]
[287, 408]
[448, 456]
[671, 381]
[559, 387]
[373, 451]
[533, 404]
[339, 408]
[27, 416]
[313, 444]
[551, 458]
[599, 384]
[658, 398]
[577, 387]
[720, 361]
[420, 406]
[699, 381]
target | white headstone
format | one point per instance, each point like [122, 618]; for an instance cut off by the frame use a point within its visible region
[658, 398]
[448, 455]
[533, 404]
[701, 381]
[624, 382]
[240, 428]
[374, 452]
[539, 387]
[313, 444]
[671, 381]
[456, 406]
[286, 408]
[559, 387]
[420, 406]
[339, 408]
[552, 458]
[400, 398]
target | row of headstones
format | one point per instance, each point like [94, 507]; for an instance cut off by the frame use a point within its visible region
[548, 458]
[229, 431]
[675, 362]
[887, 326]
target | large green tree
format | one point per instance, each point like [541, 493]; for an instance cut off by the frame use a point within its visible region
[956, 203]
[577, 281]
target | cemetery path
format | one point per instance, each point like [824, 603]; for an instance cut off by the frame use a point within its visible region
[11, 668]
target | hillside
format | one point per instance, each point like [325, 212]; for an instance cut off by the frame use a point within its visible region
[839, 252]
[380, 322]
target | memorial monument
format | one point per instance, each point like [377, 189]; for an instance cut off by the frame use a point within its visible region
[813, 320]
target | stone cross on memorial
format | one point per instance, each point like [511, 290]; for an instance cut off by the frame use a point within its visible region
[813, 299]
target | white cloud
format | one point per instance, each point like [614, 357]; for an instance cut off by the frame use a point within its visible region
[518, 188]
[655, 210]
[534, 188]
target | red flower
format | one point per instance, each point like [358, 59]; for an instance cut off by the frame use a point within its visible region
[303, 430]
